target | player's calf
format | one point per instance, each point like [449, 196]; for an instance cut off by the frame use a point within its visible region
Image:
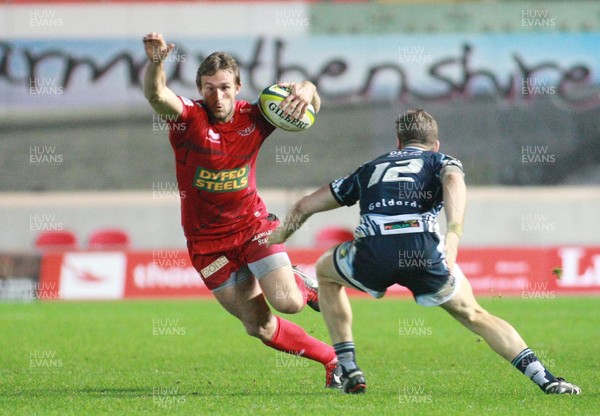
[263, 330]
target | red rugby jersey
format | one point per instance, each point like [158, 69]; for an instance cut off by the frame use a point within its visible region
[216, 173]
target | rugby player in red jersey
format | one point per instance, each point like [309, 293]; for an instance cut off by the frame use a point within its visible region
[216, 141]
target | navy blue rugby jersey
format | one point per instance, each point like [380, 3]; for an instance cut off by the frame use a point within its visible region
[399, 192]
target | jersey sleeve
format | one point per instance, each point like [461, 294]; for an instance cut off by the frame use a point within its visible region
[346, 190]
[448, 162]
[264, 126]
[188, 106]
[178, 126]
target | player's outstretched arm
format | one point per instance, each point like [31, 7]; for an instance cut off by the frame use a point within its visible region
[318, 201]
[162, 99]
[455, 203]
[301, 95]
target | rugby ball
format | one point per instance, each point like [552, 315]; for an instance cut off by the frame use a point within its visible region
[268, 103]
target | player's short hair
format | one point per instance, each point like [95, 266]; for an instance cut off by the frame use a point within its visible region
[218, 61]
[416, 127]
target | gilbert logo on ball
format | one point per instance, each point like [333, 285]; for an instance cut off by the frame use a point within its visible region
[268, 102]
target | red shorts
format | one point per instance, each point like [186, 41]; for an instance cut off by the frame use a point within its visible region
[253, 257]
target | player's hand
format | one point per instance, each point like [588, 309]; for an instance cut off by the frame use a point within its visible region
[279, 236]
[451, 241]
[301, 95]
[156, 47]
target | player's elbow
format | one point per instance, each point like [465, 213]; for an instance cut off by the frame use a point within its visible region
[454, 182]
[154, 92]
[153, 97]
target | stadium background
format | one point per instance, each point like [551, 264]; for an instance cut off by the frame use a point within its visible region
[515, 87]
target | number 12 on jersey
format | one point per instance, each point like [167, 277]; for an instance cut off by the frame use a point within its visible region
[384, 173]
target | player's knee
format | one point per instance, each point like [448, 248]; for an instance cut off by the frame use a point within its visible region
[286, 299]
[291, 305]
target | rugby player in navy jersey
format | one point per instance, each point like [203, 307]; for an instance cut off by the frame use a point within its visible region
[400, 195]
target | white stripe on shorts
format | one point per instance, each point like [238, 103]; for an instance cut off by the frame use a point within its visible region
[259, 269]
[266, 265]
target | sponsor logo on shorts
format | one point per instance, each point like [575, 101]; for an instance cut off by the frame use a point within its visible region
[342, 252]
[222, 180]
[262, 238]
[400, 225]
[214, 267]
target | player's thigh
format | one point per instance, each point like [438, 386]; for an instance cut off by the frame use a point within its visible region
[326, 270]
[272, 268]
[463, 304]
[281, 290]
[246, 302]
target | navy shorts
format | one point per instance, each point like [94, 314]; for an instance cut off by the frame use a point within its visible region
[413, 260]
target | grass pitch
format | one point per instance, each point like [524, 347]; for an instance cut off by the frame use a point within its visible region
[192, 358]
